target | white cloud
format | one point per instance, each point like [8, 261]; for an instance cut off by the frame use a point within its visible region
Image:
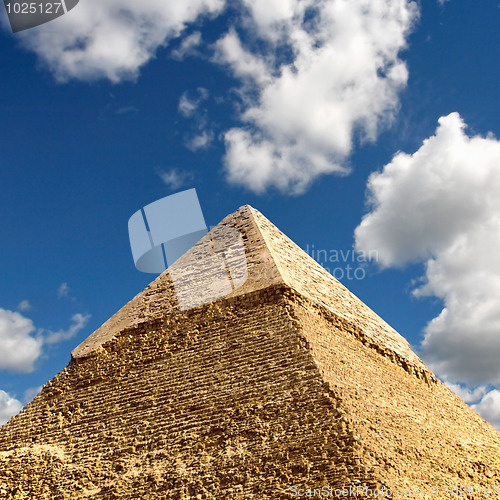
[126, 109]
[323, 72]
[200, 141]
[21, 344]
[24, 305]
[174, 178]
[63, 291]
[8, 407]
[19, 349]
[314, 75]
[244, 64]
[440, 206]
[189, 105]
[483, 401]
[78, 323]
[188, 47]
[469, 395]
[112, 39]
[489, 408]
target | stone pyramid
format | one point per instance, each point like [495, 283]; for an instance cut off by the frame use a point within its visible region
[284, 386]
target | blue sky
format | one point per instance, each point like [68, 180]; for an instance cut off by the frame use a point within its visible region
[371, 124]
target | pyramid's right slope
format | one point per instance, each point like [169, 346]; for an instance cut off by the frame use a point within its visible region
[403, 425]
[289, 381]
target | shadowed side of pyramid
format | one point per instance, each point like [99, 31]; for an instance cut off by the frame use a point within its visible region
[302, 273]
[288, 380]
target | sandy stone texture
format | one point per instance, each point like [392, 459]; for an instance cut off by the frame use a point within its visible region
[288, 382]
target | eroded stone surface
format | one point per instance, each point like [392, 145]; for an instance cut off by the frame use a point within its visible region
[289, 380]
[271, 258]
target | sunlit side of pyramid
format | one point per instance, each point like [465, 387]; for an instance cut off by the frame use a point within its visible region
[288, 380]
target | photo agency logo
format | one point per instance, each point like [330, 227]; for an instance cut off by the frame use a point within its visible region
[26, 15]
[343, 264]
[171, 233]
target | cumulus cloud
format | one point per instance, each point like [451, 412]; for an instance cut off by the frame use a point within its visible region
[112, 39]
[19, 348]
[251, 68]
[469, 395]
[440, 206]
[8, 407]
[489, 408]
[423, 203]
[21, 343]
[315, 77]
[174, 178]
[78, 322]
[481, 399]
[323, 72]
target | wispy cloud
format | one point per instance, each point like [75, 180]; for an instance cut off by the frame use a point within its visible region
[189, 104]
[78, 322]
[63, 291]
[24, 305]
[174, 178]
[200, 141]
[202, 134]
[188, 47]
[126, 109]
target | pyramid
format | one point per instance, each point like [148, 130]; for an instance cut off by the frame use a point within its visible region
[283, 385]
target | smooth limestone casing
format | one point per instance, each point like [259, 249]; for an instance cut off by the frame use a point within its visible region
[289, 380]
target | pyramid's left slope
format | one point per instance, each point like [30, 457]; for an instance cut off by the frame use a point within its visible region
[159, 298]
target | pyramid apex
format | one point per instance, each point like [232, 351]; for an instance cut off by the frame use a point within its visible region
[244, 209]
[249, 207]
[232, 259]
[245, 253]
[288, 379]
